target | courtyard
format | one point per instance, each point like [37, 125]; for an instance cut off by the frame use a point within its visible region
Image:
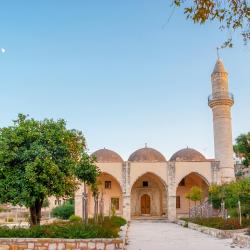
[162, 235]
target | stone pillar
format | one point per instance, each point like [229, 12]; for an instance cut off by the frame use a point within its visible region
[171, 191]
[215, 168]
[78, 202]
[221, 102]
[126, 198]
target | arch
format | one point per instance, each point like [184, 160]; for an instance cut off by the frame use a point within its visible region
[110, 195]
[151, 173]
[184, 186]
[190, 173]
[153, 186]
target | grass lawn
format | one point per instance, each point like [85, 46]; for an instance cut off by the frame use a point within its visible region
[109, 228]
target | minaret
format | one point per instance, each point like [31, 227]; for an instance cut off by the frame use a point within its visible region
[221, 102]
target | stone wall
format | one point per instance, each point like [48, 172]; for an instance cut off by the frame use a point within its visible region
[61, 244]
[242, 240]
[221, 234]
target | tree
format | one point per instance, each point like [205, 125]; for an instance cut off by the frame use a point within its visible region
[231, 14]
[189, 198]
[242, 148]
[95, 193]
[87, 172]
[195, 194]
[235, 195]
[37, 160]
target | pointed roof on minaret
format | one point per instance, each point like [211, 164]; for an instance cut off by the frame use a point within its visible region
[219, 67]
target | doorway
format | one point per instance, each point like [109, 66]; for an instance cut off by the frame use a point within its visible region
[145, 204]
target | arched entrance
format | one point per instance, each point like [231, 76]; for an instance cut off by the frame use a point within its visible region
[149, 196]
[182, 203]
[145, 204]
[110, 196]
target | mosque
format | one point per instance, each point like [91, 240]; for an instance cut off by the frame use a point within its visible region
[148, 184]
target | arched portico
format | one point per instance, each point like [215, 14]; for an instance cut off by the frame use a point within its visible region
[183, 187]
[110, 195]
[149, 196]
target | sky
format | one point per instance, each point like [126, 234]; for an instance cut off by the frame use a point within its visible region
[125, 73]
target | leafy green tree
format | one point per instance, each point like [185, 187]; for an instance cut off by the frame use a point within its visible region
[37, 160]
[196, 194]
[87, 172]
[232, 15]
[231, 194]
[242, 148]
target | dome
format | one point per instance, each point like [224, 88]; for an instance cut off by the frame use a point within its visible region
[219, 67]
[106, 155]
[147, 155]
[187, 154]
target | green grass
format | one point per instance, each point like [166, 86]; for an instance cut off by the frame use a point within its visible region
[219, 223]
[68, 230]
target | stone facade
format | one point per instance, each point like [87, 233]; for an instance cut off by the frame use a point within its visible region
[148, 179]
[61, 244]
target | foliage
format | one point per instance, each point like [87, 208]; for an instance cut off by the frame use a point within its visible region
[231, 193]
[242, 148]
[37, 160]
[220, 223]
[195, 194]
[68, 230]
[86, 170]
[45, 202]
[231, 14]
[63, 211]
[75, 218]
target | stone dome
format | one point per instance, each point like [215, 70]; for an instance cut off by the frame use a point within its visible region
[146, 155]
[106, 155]
[188, 154]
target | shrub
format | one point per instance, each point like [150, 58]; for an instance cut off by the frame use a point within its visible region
[220, 223]
[75, 218]
[68, 230]
[64, 211]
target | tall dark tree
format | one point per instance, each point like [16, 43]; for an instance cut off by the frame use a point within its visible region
[37, 160]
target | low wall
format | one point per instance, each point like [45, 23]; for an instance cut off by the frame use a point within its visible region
[242, 240]
[60, 244]
[221, 234]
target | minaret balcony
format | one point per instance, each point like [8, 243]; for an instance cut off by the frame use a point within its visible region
[220, 98]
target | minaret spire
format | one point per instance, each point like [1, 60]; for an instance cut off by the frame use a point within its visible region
[221, 101]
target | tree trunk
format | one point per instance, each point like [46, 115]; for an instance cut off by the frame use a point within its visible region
[85, 204]
[35, 213]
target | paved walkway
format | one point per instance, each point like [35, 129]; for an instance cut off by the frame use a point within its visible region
[160, 235]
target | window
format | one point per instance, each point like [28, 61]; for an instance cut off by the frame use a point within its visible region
[182, 183]
[107, 184]
[115, 203]
[178, 202]
[145, 183]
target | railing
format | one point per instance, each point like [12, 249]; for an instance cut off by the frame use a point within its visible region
[221, 95]
[206, 210]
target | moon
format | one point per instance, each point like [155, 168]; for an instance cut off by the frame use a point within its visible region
[3, 50]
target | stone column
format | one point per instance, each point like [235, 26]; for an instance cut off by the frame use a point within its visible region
[215, 168]
[171, 191]
[126, 191]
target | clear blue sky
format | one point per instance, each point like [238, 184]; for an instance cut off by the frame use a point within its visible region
[118, 71]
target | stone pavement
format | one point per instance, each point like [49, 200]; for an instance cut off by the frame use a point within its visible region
[162, 235]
